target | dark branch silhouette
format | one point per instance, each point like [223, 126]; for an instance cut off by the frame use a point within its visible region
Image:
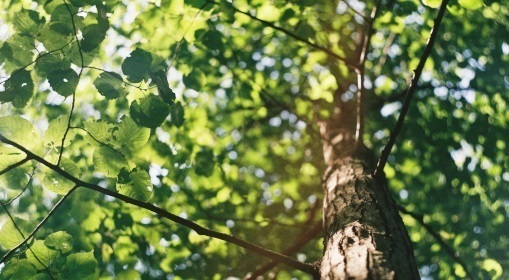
[411, 90]
[305, 267]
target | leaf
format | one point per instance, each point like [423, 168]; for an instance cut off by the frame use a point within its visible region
[129, 274]
[93, 35]
[61, 21]
[110, 85]
[204, 162]
[471, 4]
[51, 39]
[18, 89]
[166, 94]
[59, 240]
[18, 269]
[19, 130]
[139, 188]
[59, 184]
[137, 65]
[100, 130]
[16, 52]
[55, 132]
[9, 234]
[177, 114]
[493, 267]
[130, 135]
[108, 161]
[432, 3]
[28, 21]
[40, 256]
[80, 266]
[48, 63]
[15, 179]
[64, 82]
[151, 112]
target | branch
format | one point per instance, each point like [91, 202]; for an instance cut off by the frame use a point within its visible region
[359, 130]
[411, 90]
[441, 241]
[293, 35]
[12, 166]
[302, 240]
[163, 213]
[36, 229]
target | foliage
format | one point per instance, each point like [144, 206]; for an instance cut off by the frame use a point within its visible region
[209, 111]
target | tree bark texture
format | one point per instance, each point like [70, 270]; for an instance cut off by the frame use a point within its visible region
[365, 237]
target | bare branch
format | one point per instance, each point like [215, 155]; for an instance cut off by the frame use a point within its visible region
[411, 90]
[309, 268]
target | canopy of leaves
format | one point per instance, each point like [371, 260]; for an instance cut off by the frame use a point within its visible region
[209, 110]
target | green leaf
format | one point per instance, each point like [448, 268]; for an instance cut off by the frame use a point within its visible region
[110, 85]
[471, 4]
[100, 130]
[57, 183]
[177, 114]
[18, 89]
[19, 130]
[51, 39]
[130, 135]
[130, 274]
[59, 240]
[9, 234]
[61, 21]
[15, 179]
[108, 161]
[93, 35]
[139, 187]
[151, 112]
[204, 162]
[47, 63]
[432, 3]
[137, 65]
[40, 256]
[80, 266]
[16, 52]
[305, 31]
[159, 78]
[28, 21]
[64, 82]
[18, 269]
[55, 132]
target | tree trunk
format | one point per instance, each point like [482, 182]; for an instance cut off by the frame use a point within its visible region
[365, 237]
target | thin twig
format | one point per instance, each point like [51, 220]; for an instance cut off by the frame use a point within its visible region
[293, 35]
[74, 93]
[359, 130]
[305, 267]
[12, 166]
[436, 235]
[411, 90]
[41, 223]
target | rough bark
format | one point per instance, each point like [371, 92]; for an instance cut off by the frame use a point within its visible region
[365, 237]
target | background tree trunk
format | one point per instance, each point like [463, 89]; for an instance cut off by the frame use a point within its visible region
[365, 237]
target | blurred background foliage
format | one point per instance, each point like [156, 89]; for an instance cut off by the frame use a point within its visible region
[245, 155]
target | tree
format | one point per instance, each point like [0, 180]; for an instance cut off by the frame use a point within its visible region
[188, 139]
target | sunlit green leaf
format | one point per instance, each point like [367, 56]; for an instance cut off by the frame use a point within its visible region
[19, 269]
[59, 240]
[59, 184]
[432, 3]
[471, 4]
[130, 135]
[139, 187]
[41, 256]
[100, 130]
[108, 161]
[80, 266]
[54, 134]
[10, 235]
[28, 21]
